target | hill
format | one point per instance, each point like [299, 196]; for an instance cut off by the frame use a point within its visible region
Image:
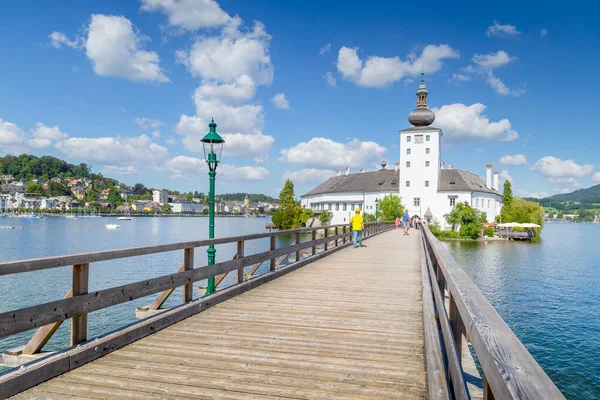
[589, 195]
[253, 197]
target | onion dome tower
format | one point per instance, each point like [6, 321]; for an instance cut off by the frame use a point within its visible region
[421, 116]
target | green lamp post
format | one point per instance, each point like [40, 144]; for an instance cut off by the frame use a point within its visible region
[377, 210]
[213, 147]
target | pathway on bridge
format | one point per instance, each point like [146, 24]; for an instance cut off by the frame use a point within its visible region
[349, 326]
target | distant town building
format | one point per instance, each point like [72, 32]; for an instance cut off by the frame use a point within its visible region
[48, 204]
[246, 201]
[79, 192]
[4, 199]
[186, 207]
[160, 196]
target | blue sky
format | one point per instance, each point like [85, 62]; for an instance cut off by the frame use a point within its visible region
[300, 89]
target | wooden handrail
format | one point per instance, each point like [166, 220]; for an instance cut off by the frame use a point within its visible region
[510, 372]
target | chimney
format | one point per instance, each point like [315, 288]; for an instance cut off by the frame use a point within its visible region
[488, 176]
[338, 173]
[450, 166]
[442, 165]
[362, 170]
[496, 181]
[347, 171]
[396, 166]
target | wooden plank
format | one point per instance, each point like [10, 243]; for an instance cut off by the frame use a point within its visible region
[219, 278]
[325, 236]
[509, 368]
[188, 265]
[163, 296]
[297, 242]
[313, 238]
[13, 267]
[457, 326]
[21, 379]
[81, 274]
[43, 335]
[240, 254]
[272, 248]
[436, 371]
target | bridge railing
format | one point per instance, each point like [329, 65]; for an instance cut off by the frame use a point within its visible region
[79, 302]
[509, 370]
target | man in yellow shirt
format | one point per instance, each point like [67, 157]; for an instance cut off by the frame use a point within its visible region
[357, 228]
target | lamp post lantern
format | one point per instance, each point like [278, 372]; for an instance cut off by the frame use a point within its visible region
[377, 210]
[213, 147]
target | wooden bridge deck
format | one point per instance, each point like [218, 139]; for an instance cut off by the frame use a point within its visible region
[349, 326]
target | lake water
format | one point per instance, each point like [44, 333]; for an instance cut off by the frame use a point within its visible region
[548, 293]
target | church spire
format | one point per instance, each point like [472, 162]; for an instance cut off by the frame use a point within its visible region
[421, 116]
[422, 93]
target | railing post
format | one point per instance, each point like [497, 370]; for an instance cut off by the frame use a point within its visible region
[457, 326]
[487, 391]
[81, 273]
[344, 232]
[240, 254]
[336, 239]
[314, 237]
[188, 264]
[297, 242]
[273, 247]
[325, 245]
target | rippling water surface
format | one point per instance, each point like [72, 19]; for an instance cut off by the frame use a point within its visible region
[58, 236]
[549, 294]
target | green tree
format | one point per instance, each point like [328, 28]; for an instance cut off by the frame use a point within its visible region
[286, 216]
[390, 207]
[114, 197]
[58, 189]
[33, 187]
[507, 203]
[325, 217]
[165, 208]
[467, 219]
[369, 217]
[525, 211]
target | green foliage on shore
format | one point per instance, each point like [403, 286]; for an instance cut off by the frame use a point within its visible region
[488, 231]
[325, 217]
[467, 219]
[28, 167]
[390, 207]
[253, 197]
[369, 217]
[520, 210]
[290, 214]
[440, 234]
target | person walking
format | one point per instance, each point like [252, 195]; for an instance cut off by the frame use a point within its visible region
[397, 222]
[357, 224]
[405, 221]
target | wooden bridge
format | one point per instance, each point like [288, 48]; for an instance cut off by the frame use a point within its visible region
[325, 321]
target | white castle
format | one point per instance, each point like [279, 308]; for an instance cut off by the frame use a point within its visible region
[427, 188]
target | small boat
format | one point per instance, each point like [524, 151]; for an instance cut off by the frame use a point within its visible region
[7, 227]
[113, 226]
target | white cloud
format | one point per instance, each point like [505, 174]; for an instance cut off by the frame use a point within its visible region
[115, 48]
[12, 138]
[330, 79]
[116, 170]
[543, 32]
[570, 181]
[117, 151]
[58, 39]
[189, 14]
[191, 167]
[513, 159]
[505, 176]
[382, 71]
[312, 176]
[155, 134]
[553, 167]
[499, 86]
[595, 178]
[148, 123]
[279, 101]
[462, 123]
[459, 77]
[238, 91]
[43, 136]
[325, 49]
[321, 152]
[170, 141]
[233, 54]
[504, 31]
[493, 60]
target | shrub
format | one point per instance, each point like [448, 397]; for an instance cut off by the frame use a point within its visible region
[518, 229]
[446, 234]
[488, 231]
[325, 217]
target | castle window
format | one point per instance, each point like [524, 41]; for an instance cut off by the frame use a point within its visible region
[417, 202]
[344, 206]
[407, 183]
[426, 183]
[489, 203]
[427, 138]
[408, 164]
[427, 163]
[329, 206]
[452, 200]
[476, 202]
[408, 138]
[337, 206]
[408, 151]
[427, 150]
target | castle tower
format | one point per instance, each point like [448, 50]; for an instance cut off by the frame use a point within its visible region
[420, 157]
